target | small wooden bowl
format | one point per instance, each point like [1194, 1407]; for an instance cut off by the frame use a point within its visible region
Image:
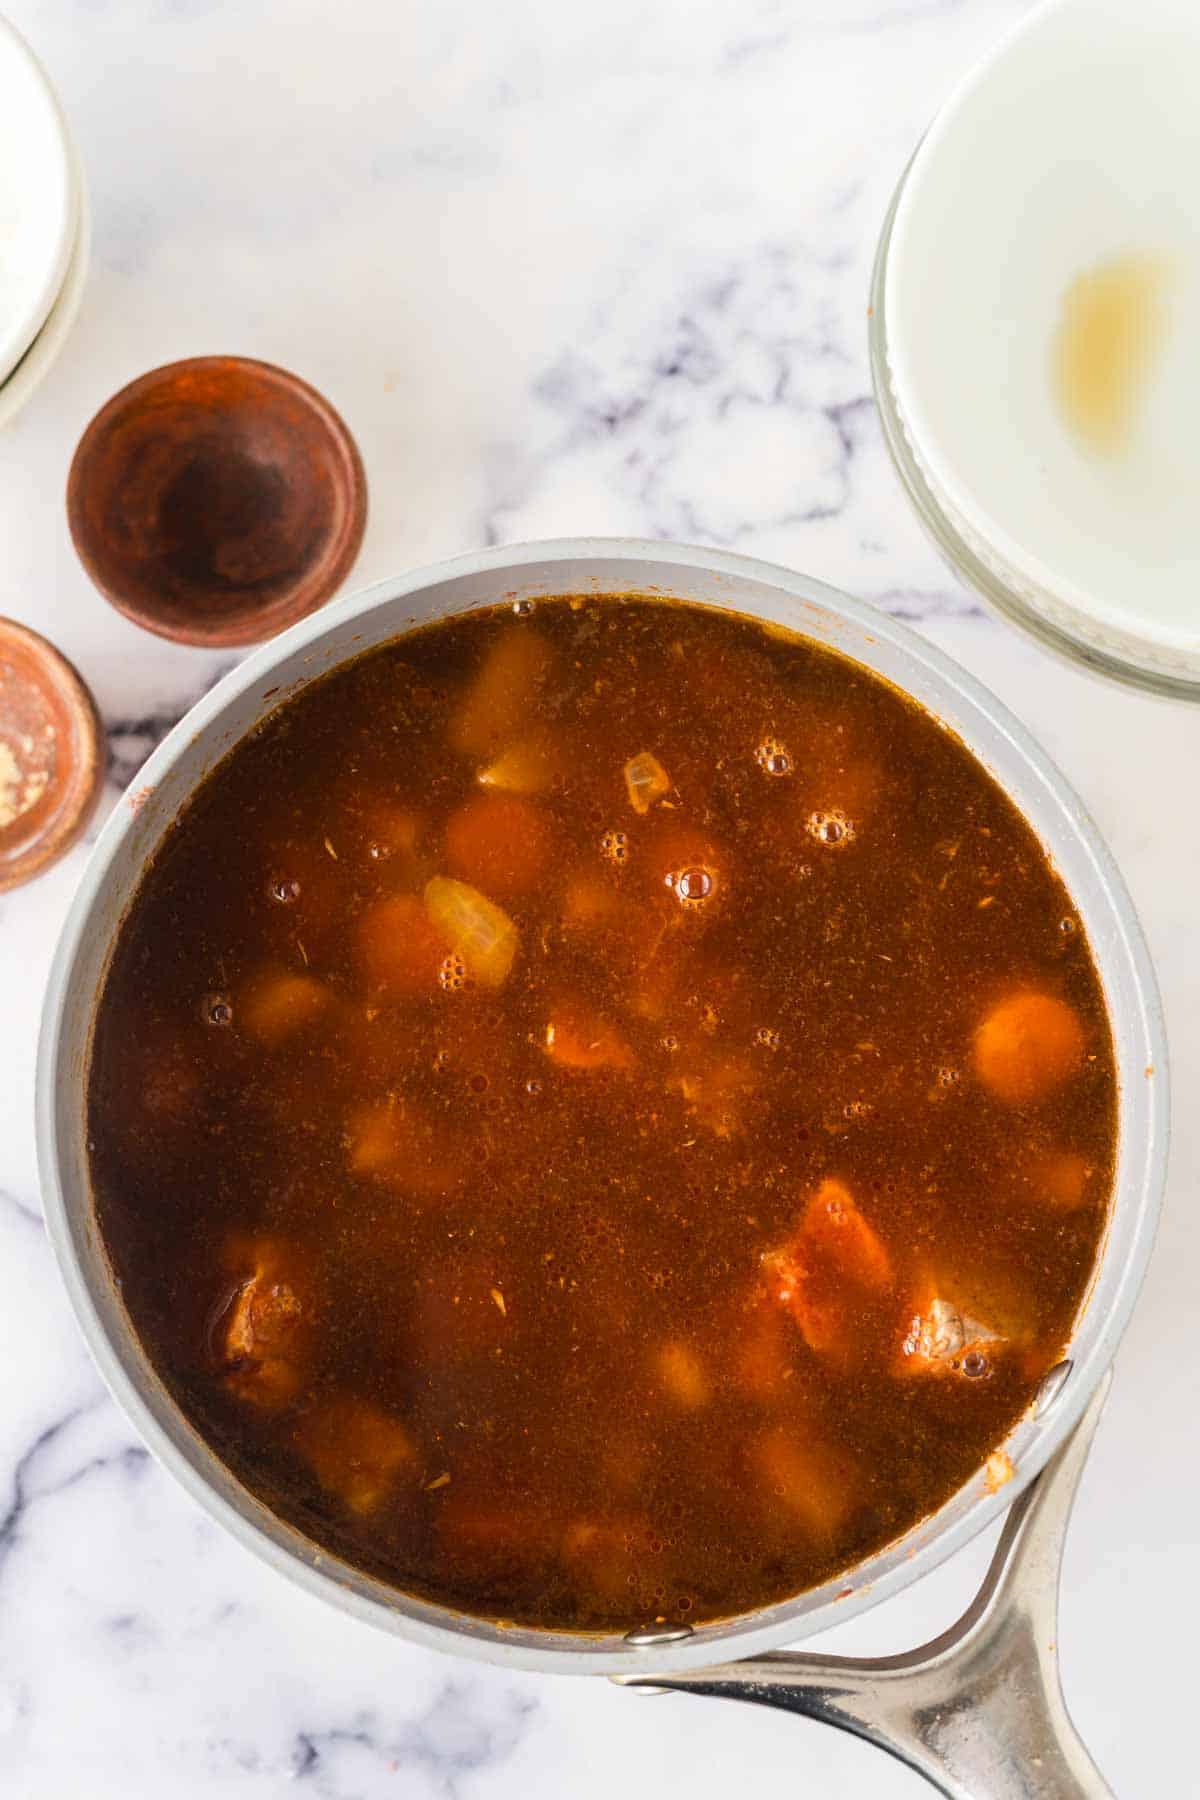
[51, 761]
[216, 500]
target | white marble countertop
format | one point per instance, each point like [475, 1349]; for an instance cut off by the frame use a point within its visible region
[565, 267]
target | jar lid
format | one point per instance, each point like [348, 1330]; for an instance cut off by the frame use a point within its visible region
[51, 766]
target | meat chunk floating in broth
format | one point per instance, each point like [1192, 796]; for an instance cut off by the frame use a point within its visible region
[829, 1271]
[264, 1324]
[941, 1338]
[595, 1117]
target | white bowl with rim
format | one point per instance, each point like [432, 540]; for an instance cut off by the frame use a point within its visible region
[46, 347]
[40, 198]
[1067, 159]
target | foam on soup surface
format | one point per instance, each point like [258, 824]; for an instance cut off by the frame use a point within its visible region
[602, 1113]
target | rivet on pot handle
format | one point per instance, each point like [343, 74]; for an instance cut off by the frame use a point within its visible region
[979, 1711]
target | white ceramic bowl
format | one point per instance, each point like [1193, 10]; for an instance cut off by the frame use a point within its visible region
[343, 630]
[46, 347]
[39, 198]
[1073, 145]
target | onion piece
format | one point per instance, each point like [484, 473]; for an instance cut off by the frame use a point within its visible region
[483, 935]
[646, 781]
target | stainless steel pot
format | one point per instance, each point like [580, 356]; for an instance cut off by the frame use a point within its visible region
[341, 631]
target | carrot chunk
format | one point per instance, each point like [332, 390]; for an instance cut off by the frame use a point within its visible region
[483, 935]
[1027, 1046]
[356, 1451]
[1061, 1178]
[276, 1005]
[399, 948]
[577, 1038]
[497, 703]
[499, 842]
[645, 781]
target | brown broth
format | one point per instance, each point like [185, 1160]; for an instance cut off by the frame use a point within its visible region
[640, 1322]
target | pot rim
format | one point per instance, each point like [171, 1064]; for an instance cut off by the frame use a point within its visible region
[161, 1423]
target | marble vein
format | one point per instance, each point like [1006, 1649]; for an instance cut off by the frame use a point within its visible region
[33, 1481]
[443, 1746]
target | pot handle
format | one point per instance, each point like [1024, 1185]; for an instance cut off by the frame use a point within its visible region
[979, 1711]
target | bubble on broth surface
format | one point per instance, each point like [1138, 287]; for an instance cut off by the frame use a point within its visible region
[692, 886]
[832, 827]
[216, 1009]
[773, 758]
[285, 889]
[453, 974]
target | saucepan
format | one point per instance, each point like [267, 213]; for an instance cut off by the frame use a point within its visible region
[980, 1711]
